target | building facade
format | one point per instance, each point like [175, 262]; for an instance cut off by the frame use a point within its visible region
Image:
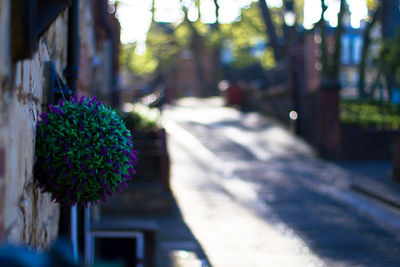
[27, 216]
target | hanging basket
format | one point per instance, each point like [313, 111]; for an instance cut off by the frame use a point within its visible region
[84, 152]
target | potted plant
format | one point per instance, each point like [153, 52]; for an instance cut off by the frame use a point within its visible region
[84, 151]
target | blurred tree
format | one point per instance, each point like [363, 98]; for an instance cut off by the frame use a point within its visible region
[387, 12]
[390, 19]
[331, 60]
[216, 55]
[244, 35]
[271, 30]
[196, 44]
[374, 12]
[390, 55]
[137, 64]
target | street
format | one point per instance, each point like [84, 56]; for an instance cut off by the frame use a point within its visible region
[252, 194]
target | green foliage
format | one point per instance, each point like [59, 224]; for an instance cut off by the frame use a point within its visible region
[140, 117]
[243, 34]
[372, 4]
[299, 10]
[370, 114]
[83, 152]
[162, 42]
[389, 54]
[137, 64]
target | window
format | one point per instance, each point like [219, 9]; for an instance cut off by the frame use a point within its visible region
[29, 20]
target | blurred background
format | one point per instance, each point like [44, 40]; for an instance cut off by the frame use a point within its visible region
[268, 131]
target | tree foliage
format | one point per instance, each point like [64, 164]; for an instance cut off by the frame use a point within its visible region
[137, 64]
[389, 54]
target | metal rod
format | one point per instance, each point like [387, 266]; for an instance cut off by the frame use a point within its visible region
[74, 231]
[88, 237]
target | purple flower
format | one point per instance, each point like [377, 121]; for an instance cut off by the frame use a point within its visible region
[131, 171]
[92, 172]
[83, 166]
[102, 172]
[116, 171]
[52, 108]
[44, 115]
[81, 100]
[104, 151]
[124, 184]
[91, 101]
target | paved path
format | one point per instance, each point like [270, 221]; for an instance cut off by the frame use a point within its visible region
[254, 195]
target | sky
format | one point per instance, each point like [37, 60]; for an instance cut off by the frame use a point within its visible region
[135, 15]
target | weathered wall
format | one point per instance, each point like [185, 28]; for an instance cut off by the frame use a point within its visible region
[5, 84]
[26, 215]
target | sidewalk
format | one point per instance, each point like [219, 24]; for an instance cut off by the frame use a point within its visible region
[261, 165]
[373, 178]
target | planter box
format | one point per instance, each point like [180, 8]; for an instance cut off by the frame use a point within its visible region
[367, 143]
[149, 191]
[153, 164]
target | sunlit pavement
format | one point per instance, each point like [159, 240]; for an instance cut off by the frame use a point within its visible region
[254, 195]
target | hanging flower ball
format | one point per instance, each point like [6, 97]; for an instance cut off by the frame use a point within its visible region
[84, 151]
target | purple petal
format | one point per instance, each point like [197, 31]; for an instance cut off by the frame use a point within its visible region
[81, 100]
[44, 115]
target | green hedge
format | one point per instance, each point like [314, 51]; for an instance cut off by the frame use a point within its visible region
[139, 117]
[381, 115]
